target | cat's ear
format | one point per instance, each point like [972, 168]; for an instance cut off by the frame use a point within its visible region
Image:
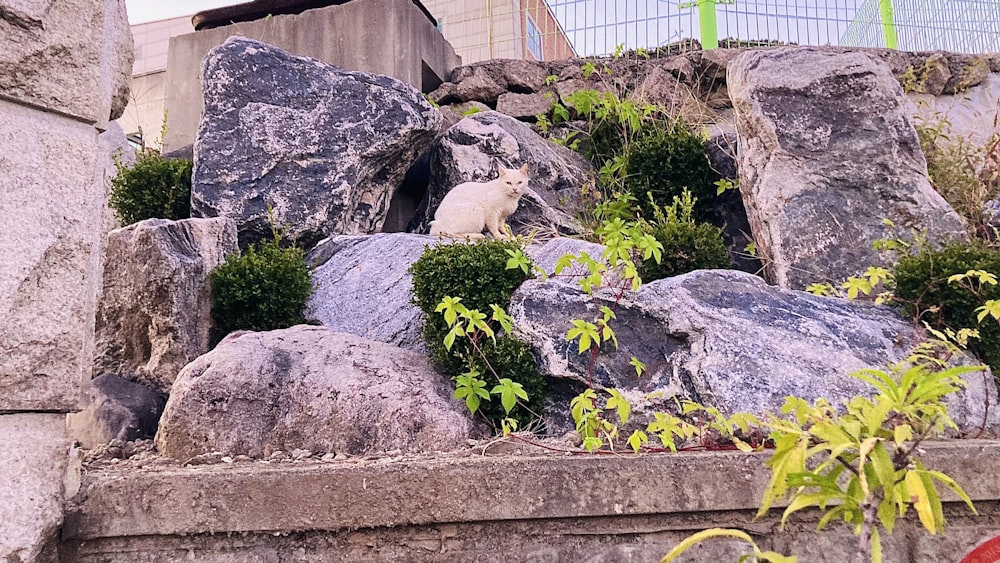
[524, 168]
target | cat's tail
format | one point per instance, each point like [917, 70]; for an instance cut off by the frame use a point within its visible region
[434, 229]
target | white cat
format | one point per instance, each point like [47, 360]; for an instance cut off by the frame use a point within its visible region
[473, 206]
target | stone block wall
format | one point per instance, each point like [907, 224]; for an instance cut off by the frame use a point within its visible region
[64, 73]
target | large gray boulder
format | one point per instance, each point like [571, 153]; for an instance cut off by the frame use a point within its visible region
[310, 388]
[155, 310]
[827, 151]
[726, 339]
[471, 150]
[322, 146]
[362, 286]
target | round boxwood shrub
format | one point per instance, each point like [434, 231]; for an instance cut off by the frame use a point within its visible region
[664, 161]
[153, 187]
[478, 274]
[265, 288]
[922, 284]
[687, 244]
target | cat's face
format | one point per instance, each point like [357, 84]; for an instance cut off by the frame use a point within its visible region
[514, 181]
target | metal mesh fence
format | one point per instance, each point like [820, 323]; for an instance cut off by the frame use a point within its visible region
[968, 26]
[554, 29]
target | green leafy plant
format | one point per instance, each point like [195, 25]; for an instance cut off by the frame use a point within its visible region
[153, 187]
[478, 277]
[687, 245]
[667, 159]
[265, 288]
[861, 466]
[927, 285]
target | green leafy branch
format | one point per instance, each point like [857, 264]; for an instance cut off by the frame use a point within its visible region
[469, 386]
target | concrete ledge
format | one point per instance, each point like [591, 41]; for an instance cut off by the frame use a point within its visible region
[256, 497]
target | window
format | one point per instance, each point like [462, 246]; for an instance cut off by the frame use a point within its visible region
[534, 39]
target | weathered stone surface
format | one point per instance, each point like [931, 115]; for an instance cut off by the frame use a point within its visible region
[661, 87]
[324, 147]
[827, 151]
[362, 287]
[524, 76]
[421, 509]
[155, 313]
[969, 114]
[72, 56]
[479, 87]
[513, 75]
[119, 409]
[49, 262]
[525, 106]
[726, 339]
[117, 56]
[34, 457]
[310, 388]
[471, 149]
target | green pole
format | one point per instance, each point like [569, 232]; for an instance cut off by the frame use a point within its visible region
[709, 27]
[888, 23]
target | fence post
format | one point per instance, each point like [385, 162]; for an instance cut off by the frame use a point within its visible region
[888, 23]
[709, 27]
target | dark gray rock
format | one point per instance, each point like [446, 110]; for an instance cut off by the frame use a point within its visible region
[726, 339]
[479, 87]
[119, 409]
[827, 151]
[362, 287]
[323, 147]
[662, 88]
[470, 151]
[728, 210]
[154, 315]
[525, 106]
[310, 388]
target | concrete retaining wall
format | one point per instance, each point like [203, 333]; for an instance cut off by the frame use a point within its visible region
[493, 508]
[390, 37]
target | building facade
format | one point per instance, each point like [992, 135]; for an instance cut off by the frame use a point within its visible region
[501, 29]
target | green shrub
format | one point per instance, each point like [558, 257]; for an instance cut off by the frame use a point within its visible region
[477, 273]
[665, 160]
[922, 284]
[687, 245]
[153, 187]
[262, 289]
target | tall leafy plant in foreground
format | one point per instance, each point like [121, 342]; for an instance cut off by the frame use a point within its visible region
[861, 466]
